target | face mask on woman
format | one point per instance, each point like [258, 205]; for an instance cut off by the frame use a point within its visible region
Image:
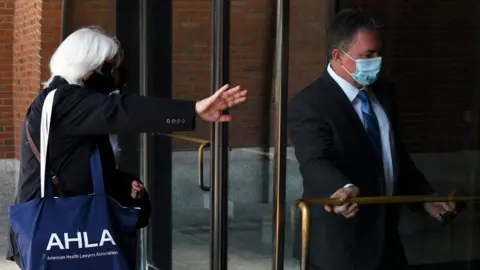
[103, 81]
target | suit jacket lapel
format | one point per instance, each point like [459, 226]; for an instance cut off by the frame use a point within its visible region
[345, 108]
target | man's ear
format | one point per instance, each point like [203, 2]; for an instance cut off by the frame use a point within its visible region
[337, 55]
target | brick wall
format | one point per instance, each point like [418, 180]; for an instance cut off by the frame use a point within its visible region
[6, 78]
[82, 13]
[26, 59]
[36, 32]
[51, 33]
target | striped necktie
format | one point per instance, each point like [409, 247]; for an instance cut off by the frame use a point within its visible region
[371, 124]
[373, 130]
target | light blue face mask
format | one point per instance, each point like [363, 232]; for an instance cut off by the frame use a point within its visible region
[367, 70]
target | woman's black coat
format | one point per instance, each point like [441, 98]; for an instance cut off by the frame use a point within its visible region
[81, 119]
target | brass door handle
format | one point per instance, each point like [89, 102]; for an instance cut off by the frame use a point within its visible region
[203, 144]
[392, 199]
[304, 206]
[200, 166]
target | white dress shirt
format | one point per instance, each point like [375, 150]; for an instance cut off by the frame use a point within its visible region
[385, 133]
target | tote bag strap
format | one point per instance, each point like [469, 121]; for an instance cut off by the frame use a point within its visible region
[97, 172]
[58, 186]
[44, 135]
[95, 161]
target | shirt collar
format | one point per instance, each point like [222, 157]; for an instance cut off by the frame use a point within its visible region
[350, 91]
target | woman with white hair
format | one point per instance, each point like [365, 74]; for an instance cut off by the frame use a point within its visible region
[84, 69]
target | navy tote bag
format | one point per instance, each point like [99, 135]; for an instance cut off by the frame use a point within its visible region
[87, 232]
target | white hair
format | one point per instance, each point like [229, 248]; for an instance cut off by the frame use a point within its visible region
[82, 52]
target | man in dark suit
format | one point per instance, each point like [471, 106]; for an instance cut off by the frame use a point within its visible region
[344, 129]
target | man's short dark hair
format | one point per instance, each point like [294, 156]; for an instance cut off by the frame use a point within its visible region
[344, 27]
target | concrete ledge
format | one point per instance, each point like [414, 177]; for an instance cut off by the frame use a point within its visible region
[8, 179]
[9, 165]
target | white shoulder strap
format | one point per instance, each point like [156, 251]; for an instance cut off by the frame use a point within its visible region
[44, 134]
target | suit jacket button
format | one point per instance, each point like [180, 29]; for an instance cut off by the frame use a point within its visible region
[168, 121]
[173, 121]
[178, 121]
[183, 121]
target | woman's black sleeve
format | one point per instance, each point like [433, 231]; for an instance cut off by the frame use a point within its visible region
[90, 113]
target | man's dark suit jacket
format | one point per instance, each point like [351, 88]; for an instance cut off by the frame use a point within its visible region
[83, 118]
[333, 149]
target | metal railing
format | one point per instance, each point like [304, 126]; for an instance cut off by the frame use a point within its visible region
[304, 206]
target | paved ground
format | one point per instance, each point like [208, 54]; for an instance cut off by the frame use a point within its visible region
[4, 265]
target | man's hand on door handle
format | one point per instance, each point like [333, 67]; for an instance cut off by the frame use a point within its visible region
[347, 209]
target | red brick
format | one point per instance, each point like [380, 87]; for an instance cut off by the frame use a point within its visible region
[33, 23]
[6, 77]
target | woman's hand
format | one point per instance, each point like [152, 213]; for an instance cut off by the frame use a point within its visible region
[138, 190]
[210, 109]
